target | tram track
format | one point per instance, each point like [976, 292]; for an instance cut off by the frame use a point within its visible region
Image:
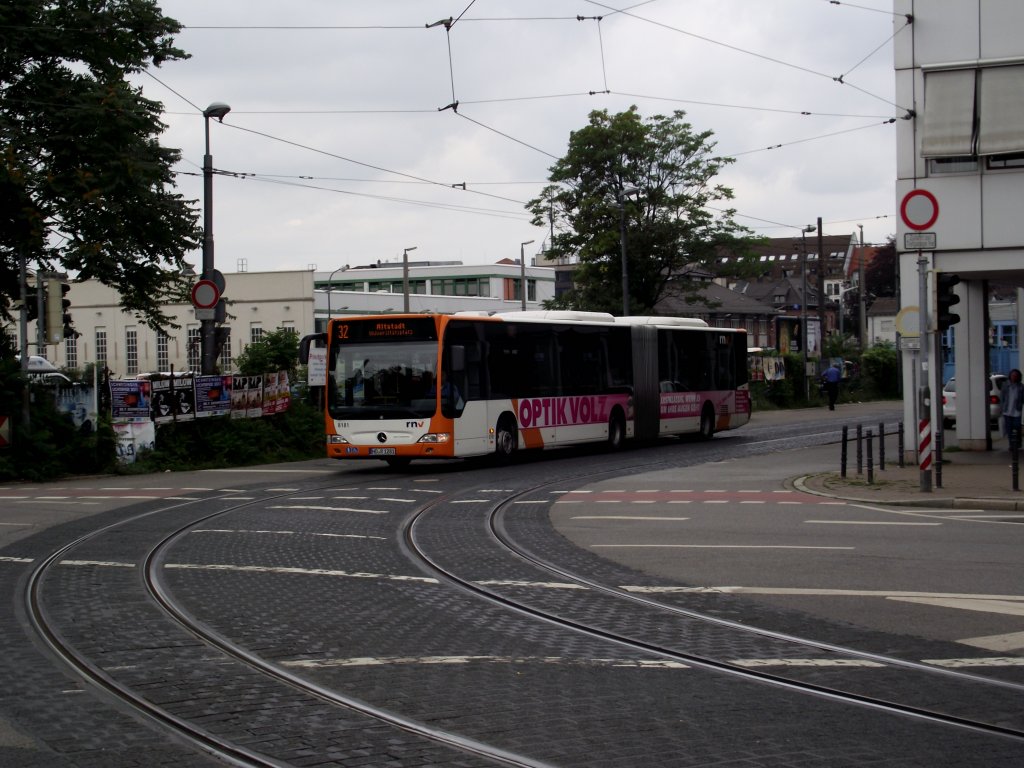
[920, 680]
[246, 677]
[202, 738]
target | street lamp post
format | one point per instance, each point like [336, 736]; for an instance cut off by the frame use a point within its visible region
[522, 272]
[622, 245]
[803, 305]
[208, 325]
[330, 289]
[405, 276]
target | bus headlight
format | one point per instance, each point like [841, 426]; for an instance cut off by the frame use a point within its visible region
[336, 440]
[435, 437]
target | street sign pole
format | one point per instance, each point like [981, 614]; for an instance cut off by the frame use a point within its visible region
[924, 442]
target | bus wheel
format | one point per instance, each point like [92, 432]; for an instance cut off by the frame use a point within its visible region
[505, 439]
[398, 462]
[616, 431]
[707, 422]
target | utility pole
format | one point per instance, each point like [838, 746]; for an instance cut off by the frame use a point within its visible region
[862, 293]
[821, 292]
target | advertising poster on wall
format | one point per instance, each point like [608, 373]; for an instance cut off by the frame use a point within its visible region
[173, 399]
[246, 397]
[213, 396]
[79, 402]
[132, 437]
[130, 400]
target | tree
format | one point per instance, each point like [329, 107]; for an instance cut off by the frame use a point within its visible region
[85, 186]
[670, 231]
[880, 276]
[275, 351]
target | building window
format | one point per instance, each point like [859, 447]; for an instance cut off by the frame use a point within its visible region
[255, 333]
[71, 351]
[101, 347]
[288, 325]
[972, 113]
[531, 290]
[195, 348]
[226, 360]
[131, 351]
[163, 355]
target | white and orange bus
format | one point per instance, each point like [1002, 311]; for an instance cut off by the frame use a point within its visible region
[431, 386]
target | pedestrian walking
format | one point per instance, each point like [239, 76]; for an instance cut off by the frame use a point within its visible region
[831, 379]
[1011, 397]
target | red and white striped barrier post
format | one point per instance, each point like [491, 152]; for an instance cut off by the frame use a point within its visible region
[924, 453]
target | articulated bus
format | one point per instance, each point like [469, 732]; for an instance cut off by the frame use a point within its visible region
[433, 386]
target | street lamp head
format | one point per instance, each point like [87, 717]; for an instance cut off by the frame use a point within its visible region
[526, 243]
[411, 249]
[217, 109]
[808, 228]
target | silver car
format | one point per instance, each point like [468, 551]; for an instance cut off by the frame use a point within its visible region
[995, 409]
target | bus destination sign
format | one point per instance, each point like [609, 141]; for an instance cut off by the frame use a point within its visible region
[383, 329]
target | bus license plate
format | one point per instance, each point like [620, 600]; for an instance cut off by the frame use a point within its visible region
[382, 451]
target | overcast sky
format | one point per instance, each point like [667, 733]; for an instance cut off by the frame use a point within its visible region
[344, 152]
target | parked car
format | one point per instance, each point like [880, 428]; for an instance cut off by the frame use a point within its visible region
[995, 410]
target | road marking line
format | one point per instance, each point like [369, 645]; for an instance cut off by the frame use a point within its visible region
[749, 663]
[624, 517]
[799, 591]
[863, 522]
[708, 546]
[380, 661]
[289, 533]
[329, 509]
[296, 571]
[541, 584]
[997, 661]
[1013, 641]
[982, 605]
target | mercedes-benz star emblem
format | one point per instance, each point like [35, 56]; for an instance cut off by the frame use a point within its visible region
[381, 437]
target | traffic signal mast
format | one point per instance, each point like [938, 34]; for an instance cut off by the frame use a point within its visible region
[945, 298]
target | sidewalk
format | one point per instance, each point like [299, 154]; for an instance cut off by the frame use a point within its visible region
[970, 479]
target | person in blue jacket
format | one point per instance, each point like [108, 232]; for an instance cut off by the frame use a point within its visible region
[831, 378]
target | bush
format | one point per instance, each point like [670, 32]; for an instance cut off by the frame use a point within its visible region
[50, 446]
[295, 435]
[879, 367]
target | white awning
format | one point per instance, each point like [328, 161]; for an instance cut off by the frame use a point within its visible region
[948, 113]
[1001, 110]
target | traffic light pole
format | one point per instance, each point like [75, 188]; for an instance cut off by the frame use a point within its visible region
[23, 339]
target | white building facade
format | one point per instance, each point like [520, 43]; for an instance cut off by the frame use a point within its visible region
[259, 302]
[960, 179]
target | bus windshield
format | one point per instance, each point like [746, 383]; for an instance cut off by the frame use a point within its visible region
[368, 380]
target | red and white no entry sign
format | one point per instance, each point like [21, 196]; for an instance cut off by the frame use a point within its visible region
[919, 209]
[205, 294]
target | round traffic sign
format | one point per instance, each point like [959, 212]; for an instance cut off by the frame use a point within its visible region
[919, 209]
[205, 294]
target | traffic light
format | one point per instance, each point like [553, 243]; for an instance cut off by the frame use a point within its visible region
[31, 302]
[945, 298]
[54, 310]
[67, 329]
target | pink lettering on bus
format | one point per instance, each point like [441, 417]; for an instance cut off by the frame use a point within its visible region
[567, 411]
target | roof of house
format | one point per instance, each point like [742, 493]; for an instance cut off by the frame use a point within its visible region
[715, 299]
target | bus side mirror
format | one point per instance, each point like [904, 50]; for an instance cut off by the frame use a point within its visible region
[458, 358]
[306, 342]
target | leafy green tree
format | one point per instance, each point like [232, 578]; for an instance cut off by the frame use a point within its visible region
[85, 186]
[275, 351]
[654, 178]
[880, 276]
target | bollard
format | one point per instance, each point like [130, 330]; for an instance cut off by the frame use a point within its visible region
[871, 468]
[1015, 458]
[842, 452]
[938, 456]
[881, 446]
[899, 445]
[860, 450]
